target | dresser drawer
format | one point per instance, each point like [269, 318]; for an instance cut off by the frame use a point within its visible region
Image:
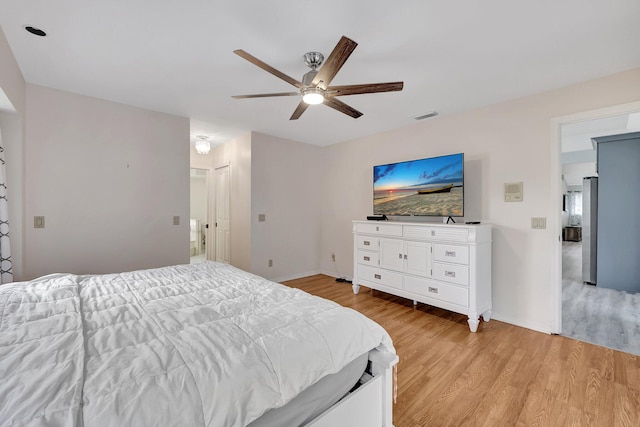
[451, 273]
[451, 253]
[380, 229]
[380, 276]
[368, 242]
[367, 258]
[437, 234]
[440, 291]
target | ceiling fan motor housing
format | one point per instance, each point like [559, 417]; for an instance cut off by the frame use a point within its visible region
[307, 79]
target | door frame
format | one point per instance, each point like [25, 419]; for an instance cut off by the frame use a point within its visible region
[556, 193]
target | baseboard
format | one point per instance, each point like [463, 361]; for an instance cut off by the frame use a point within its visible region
[334, 274]
[295, 276]
[545, 329]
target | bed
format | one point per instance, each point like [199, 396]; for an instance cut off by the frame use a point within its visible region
[188, 345]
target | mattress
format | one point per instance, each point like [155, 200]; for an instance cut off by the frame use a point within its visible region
[316, 399]
[197, 345]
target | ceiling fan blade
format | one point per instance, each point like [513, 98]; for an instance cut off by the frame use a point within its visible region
[334, 62]
[301, 108]
[268, 68]
[266, 95]
[338, 105]
[364, 88]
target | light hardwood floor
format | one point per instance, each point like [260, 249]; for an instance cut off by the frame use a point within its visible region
[503, 375]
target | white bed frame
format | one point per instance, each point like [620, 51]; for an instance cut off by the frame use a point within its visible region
[371, 404]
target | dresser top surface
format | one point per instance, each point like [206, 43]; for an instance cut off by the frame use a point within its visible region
[423, 224]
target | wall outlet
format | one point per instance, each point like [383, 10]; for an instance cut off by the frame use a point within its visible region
[270, 263]
[333, 257]
[38, 222]
[176, 220]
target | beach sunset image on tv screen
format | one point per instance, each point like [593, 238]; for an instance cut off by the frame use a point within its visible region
[432, 187]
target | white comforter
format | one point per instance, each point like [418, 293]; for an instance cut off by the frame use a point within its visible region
[190, 345]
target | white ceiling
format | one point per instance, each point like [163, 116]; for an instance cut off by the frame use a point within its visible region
[177, 56]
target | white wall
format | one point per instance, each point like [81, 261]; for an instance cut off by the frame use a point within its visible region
[281, 179]
[286, 188]
[11, 79]
[508, 142]
[108, 178]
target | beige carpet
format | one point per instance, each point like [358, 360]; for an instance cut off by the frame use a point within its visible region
[601, 316]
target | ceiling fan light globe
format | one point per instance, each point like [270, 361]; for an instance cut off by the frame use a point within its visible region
[313, 97]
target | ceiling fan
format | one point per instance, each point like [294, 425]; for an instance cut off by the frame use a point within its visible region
[314, 86]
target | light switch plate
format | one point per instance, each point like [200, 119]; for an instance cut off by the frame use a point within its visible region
[539, 223]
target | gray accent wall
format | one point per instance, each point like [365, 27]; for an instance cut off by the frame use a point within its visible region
[618, 211]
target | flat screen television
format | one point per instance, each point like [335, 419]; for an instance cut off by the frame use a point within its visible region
[430, 187]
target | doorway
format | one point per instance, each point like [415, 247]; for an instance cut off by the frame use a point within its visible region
[586, 312]
[198, 214]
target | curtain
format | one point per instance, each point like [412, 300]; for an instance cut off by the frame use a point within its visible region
[575, 207]
[6, 275]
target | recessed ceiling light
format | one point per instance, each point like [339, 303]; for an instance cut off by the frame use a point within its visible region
[35, 31]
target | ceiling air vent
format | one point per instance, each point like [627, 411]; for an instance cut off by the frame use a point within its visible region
[426, 115]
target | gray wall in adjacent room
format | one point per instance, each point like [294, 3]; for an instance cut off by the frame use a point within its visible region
[618, 206]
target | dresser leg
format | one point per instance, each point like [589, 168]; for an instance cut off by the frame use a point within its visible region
[473, 324]
[486, 316]
[356, 288]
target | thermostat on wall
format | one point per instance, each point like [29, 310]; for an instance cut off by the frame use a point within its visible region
[513, 192]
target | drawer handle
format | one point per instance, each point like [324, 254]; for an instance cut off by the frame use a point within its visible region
[433, 232]
[377, 276]
[366, 243]
[450, 253]
[433, 290]
[367, 258]
[450, 273]
[377, 228]
[400, 256]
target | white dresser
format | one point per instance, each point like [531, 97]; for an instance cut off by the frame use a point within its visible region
[447, 266]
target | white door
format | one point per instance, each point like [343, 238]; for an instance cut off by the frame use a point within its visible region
[223, 230]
